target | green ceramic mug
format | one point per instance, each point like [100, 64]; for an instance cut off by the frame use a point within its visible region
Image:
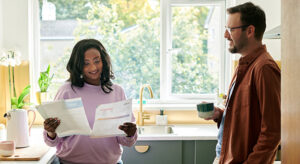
[205, 110]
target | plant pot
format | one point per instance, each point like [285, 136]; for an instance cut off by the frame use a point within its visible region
[41, 97]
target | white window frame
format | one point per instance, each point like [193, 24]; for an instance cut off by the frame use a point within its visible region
[166, 50]
[34, 47]
[167, 100]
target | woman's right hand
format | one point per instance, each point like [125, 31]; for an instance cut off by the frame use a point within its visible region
[50, 125]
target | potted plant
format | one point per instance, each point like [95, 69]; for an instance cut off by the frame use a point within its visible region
[17, 120]
[44, 82]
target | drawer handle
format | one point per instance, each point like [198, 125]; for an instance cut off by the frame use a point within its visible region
[142, 148]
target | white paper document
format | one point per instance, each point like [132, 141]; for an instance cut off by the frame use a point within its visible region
[109, 117]
[73, 119]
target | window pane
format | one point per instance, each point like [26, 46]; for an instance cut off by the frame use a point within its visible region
[129, 30]
[196, 49]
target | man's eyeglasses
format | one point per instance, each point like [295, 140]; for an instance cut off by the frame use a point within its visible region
[230, 29]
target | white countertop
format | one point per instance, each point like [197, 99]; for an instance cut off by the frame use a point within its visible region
[181, 132]
[186, 132]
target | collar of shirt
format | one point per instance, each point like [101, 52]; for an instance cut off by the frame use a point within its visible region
[246, 60]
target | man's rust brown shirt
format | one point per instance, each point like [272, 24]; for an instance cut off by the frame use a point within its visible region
[252, 122]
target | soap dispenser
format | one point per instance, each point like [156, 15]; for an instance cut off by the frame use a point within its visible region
[161, 119]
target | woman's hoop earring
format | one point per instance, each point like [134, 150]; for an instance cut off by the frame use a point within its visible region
[81, 76]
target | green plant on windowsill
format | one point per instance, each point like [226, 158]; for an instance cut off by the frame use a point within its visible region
[44, 83]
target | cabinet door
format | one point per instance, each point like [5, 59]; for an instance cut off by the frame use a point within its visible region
[188, 152]
[198, 151]
[205, 151]
[159, 152]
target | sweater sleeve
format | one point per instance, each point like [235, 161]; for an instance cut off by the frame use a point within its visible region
[268, 92]
[127, 141]
[51, 142]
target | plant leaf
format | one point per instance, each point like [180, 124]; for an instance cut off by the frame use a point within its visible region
[14, 101]
[45, 80]
[23, 94]
[20, 105]
[48, 70]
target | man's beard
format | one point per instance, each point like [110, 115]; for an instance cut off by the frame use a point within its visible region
[238, 47]
[233, 49]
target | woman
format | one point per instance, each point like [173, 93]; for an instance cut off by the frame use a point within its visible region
[90, 78]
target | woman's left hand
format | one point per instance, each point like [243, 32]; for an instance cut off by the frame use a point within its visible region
[129, 128]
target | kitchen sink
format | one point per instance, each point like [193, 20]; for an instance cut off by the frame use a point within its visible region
[155, 130]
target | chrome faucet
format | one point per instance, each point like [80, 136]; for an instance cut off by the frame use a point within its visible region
[142, 115]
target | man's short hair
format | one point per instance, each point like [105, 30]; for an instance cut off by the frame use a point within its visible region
[251, 15]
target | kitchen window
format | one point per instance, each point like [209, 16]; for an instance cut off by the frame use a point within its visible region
[176, 46]
[192, 55]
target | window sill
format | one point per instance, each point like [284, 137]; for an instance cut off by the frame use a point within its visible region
[166, 106]
[154, 104]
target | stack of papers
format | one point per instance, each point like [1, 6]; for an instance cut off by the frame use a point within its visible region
[73, 119]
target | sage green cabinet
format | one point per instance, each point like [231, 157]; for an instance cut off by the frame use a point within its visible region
[159, 152]
[198, 151]
[173, 152]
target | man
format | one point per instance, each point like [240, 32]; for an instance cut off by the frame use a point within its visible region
[249, 126]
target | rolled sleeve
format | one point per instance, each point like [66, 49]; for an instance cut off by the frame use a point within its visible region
[127, 141]
[51, 142]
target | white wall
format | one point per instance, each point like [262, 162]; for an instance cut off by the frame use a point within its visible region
[15, 26]
[1, 26]
[17, 31]
[272, 9]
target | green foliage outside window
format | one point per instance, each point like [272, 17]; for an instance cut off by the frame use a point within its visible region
[189, 66]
